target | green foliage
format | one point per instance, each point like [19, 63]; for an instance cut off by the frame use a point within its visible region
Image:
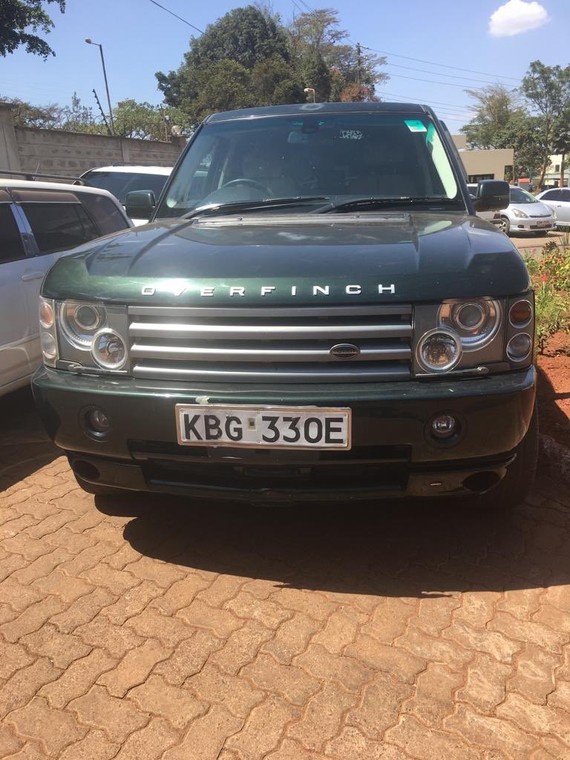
[20, 20]
[146, 122]
[248, 58]
[550, 275]
[535, 128]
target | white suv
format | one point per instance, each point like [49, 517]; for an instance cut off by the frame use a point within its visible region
[39, 221]
[122, 179]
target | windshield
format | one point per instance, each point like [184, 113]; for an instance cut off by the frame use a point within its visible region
[518, 195]
[341, 156]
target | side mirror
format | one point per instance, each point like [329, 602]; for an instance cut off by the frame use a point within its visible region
[492, 195]
[139, 204]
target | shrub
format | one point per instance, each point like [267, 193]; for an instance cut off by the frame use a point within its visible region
[550, 274]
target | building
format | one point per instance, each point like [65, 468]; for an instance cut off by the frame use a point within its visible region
[485, 164]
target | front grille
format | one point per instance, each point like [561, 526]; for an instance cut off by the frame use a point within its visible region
[271, 344]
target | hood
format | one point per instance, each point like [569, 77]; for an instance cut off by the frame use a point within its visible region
[269, 259]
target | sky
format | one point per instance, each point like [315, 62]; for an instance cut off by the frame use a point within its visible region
[434, 50]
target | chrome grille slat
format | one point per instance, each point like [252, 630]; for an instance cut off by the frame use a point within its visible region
[277, 332]
[262, 355]
[278, 344]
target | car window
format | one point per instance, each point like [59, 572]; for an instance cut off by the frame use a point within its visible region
[564, 195]
[11, 246]
[121, 183]
[59, 226]
[106, 214]
[552, 195]
[518, 195]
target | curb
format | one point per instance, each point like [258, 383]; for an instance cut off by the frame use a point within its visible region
[554, 457]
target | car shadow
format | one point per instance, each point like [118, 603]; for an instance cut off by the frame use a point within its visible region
[426, 549]
[24, 445]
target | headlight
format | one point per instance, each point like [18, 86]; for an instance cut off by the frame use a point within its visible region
[439, 350]
[519, 214]
[109, 349]
[475, 321]
[80, 322]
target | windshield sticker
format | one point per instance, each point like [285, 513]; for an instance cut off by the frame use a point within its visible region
[415, 125]
[351, 134]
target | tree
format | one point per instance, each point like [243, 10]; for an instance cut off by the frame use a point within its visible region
[224, 68]
[547, 91]
[495, 107]
[144, 121]
[336, 70]
[19, 16]
[270, 64]
[501, 121]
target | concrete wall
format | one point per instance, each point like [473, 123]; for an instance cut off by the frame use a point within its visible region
[51, 151]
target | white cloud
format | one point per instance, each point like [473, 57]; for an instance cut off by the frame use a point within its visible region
[517, 17]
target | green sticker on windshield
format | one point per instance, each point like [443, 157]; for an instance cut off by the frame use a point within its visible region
[415, 125]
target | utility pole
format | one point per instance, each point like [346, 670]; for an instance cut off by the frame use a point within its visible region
[102, 113]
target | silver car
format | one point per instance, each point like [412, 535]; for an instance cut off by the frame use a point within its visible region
[558, 199]
[525, 213]
[39, 221]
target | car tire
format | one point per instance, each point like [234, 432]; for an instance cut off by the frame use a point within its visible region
[504, 225]
[517, 482]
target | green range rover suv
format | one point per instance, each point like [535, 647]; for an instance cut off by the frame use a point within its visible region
[314, 313]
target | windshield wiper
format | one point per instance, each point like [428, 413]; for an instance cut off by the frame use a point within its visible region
[242, 206]
[373, 203]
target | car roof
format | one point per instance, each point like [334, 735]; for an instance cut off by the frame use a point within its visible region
[165, 170]
[23, 184]
[305, 109]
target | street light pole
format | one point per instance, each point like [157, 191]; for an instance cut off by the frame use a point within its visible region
[311, 90]
[89, 41]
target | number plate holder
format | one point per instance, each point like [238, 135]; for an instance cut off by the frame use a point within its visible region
[274, 427]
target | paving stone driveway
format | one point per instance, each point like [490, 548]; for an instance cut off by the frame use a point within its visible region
[151, 628]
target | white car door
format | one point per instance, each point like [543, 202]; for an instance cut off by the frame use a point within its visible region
[18, 274]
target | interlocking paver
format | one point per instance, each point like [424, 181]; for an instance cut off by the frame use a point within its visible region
[206, 736]
[117, 718]
[54, 728]
[134, 668]
[162, 631]
[94, 745]
[60, 648]
[78, 678]
[264, 728]
[323, 717]
[176, 704]
[485, 683]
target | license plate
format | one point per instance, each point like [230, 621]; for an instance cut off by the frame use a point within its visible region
[275, 427]
[544, 224]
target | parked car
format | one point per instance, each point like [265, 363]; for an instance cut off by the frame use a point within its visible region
[559, 201]
[313, 313]
[122, 179]
[526, 214]
[39, 221]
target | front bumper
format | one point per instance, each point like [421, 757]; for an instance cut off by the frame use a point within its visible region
[532, 225]
[393, 453]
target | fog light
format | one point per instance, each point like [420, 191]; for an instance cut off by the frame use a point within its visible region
[439, 350]
[519, 347]
[97, 421]
[444, 426]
